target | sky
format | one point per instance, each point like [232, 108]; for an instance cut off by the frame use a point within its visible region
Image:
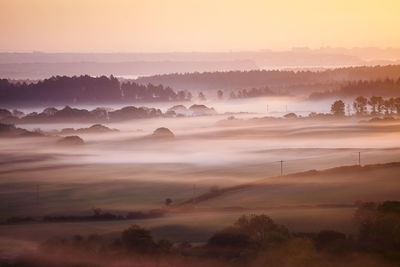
[190, 25]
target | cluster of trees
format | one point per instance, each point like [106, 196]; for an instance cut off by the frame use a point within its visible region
[255, 240]
[375, 105]
[84, 89]
[378, 227]
[98, 115]
[9, 130]
[253, 92]
[386, 88]
[68, 114]
[135, 92]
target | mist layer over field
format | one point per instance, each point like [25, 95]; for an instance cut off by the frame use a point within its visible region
[206, 151]
[265, 106]
[132, 170]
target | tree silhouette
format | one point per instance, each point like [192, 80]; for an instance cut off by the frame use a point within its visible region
[202, 97]
[220, 94]
[373, 102]
[85, 89]
[360, 105]
[168, 202]
[138, 238]
[337, 108]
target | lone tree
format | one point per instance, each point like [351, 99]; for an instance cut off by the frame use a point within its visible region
[374, 102]
[202, 96]
[138, 238]
[360, 105]
[220, 94]
[168, 202]
[337, 108]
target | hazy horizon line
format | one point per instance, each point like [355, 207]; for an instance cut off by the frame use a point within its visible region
[292, 49]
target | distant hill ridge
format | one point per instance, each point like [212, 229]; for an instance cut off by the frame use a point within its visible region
[342, 170]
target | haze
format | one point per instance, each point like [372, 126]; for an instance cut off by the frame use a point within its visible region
[165, 26]
[199, 133]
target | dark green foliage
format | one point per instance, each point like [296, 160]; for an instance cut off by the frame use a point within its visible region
[230, 237]
[334, 242]
[9, 130]
[231, 80]
[360, 105]
[328, 236]
[253, 92]
[164, 246]
[367, 88]
[20, 219]
[379, 227]
[390, 207]
[85, 89]
[138, 239]
[253, 231]
[337, 108]
[290, 115]
[254, 240]
[262, 230]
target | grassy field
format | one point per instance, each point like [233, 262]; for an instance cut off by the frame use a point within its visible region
[120, 173]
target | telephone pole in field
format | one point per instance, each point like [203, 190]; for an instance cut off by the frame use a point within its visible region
[194, 191]
[37, 193]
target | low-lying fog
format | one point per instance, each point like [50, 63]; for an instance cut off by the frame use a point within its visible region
[271, 106]
[209, 148]
[216, 141]
[131, 170]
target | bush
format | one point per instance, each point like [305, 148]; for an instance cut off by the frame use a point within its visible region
[230, 237]
[138, 238]
[262, 230]
[333, 242]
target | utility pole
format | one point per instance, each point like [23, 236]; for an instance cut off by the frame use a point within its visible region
[194, 190]
[37, 194]
[359, 158]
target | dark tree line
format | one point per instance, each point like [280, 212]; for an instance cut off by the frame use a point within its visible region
[233, 80]
[253, 92]
[84, 89]
[136, 92]
[386, 88]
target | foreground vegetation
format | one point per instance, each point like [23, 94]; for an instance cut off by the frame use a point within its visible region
[254, 240]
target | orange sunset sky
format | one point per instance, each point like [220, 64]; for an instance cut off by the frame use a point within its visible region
[189, 25]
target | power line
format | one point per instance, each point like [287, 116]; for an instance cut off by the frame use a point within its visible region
[308, 158]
